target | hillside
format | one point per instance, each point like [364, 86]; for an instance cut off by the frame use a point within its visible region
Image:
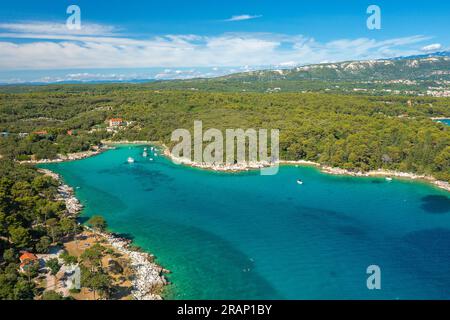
[424, 75]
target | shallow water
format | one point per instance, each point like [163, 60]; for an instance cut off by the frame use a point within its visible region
[444, 121]
[266, 237]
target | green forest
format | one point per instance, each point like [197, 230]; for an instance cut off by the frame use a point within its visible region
[30, 219]
[353, 132]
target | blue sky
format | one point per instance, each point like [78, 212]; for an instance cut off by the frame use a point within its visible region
[177, 39]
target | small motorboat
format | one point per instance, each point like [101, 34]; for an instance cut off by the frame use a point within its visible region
[151, 159]
[299, 181]
[130, 160]
[389, 179]
[144, 154]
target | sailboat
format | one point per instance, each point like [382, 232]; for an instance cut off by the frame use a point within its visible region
[299, 181]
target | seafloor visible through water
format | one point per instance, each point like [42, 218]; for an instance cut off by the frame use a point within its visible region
[239, 236]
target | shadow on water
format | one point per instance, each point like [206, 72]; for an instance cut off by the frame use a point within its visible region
[323, 214]
[429, 252]
[127, 236]
[436, 204]
[82, 219]
[334, 220]
[433, 242]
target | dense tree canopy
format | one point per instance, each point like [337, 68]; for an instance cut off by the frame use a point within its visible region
[27, 205]
[353, 132]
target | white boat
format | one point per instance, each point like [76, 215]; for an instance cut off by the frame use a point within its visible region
[389, 179]
[151, 159]
[145, 154]
[299, 181]
[130, 160]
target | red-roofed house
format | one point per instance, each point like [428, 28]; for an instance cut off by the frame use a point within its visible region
[115, 122]
[27, 259]
[41, 133]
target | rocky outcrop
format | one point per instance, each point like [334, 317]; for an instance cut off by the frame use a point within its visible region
[148, 276]
[65, 193]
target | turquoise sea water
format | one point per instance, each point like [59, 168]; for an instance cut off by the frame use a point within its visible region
[445, 121]
[247, 236]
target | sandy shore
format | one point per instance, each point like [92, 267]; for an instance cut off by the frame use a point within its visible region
[148, 276]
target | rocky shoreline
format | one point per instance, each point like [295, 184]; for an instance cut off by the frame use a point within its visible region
[65, 193]
[218, 167]
[388, 173]
[325, 169]
[70, 156]
[148, 276]
[148, 279]
[119, 142]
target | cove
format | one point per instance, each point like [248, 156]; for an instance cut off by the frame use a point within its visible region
[247, 236]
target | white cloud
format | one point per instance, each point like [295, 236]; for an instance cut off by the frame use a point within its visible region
[288, 64]
[54, 28]
[243, 17]
[432, 47]
[100, 46]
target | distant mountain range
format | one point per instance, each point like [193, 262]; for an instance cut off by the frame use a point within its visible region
[422, 74]
[426, 55]
[425, 74]
[425, 67]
